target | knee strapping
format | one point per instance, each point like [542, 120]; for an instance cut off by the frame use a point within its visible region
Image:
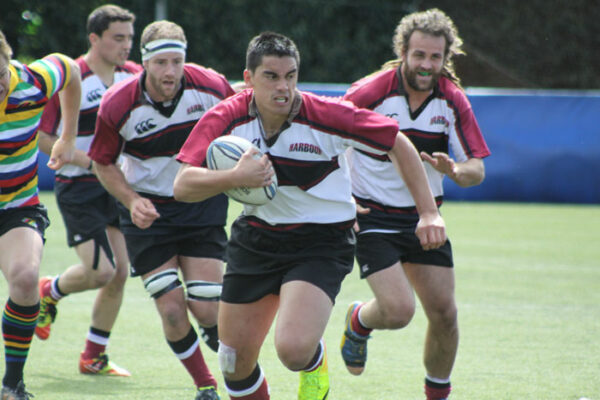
[203, 290]
[162, 282]
[227, 357]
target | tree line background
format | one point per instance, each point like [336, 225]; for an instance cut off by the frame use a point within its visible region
[509, 43]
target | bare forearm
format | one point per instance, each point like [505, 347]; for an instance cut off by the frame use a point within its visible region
[196, 184]
[115, 183]
[70, 100]
[408, 163]
[469, 173]
[46, 141]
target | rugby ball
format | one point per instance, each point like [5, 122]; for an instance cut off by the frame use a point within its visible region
[223, 153]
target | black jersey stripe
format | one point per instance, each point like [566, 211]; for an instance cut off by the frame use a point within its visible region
[304, 174]
[428, 142]
[87, 121]
[163, 143]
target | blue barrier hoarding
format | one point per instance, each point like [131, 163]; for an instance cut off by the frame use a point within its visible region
[545, 145]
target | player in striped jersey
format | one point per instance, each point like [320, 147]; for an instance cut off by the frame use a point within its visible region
[289, 256]
[24, 91]
[89, 212]
[421, 92]
[147, 119]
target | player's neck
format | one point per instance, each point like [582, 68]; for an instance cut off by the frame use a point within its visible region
[415, 97]
[105, 71]
[271, 124]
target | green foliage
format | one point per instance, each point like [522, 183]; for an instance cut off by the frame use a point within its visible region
[538, 43]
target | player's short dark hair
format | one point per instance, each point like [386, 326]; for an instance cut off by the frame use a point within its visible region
[270, 44]
[100, 19]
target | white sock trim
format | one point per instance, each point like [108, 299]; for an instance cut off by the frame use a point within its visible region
[321, 355]
[360, 319]
[101, 340]
[53, 289]
[188, 353]
[248, 391]
[438, 380]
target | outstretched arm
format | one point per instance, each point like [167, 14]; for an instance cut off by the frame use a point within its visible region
[465, 174]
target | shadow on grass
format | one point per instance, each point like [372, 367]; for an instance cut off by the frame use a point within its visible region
[100, 386]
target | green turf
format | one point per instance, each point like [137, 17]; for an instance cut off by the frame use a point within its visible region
[528, 292]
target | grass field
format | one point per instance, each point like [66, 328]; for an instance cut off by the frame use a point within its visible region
[528, 292]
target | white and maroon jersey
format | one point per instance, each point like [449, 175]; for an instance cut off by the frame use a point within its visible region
[92, 90]
[308, 154]
[149, 135]
[444, 121]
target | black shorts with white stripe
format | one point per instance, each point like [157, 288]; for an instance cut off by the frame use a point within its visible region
[260, 260]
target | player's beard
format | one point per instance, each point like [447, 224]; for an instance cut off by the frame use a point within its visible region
[165, 93]
[411, 78]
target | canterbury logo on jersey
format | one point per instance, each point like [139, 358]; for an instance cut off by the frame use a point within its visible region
[392, 115]
[195, 108]
[439, 120]
[94, 95]
[305, 148]
[145, 126]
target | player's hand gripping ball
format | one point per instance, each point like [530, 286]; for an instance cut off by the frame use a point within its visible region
[223, 153]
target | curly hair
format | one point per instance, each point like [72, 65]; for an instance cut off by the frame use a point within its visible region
[5, 49]
[433, 22]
